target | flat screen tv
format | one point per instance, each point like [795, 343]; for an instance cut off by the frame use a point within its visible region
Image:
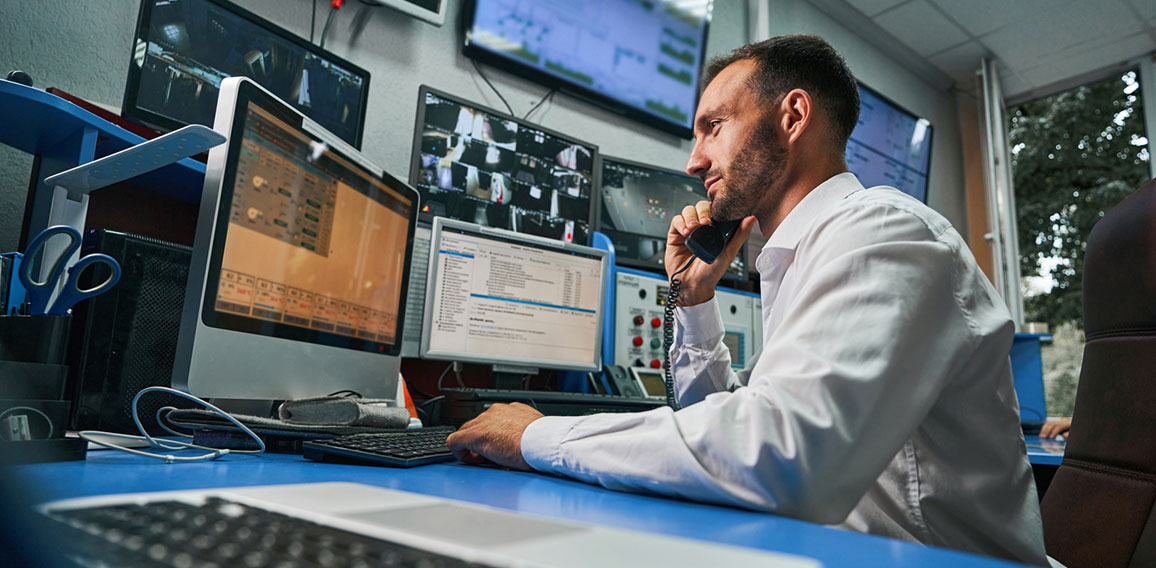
[639, 58]
[890, 146]
[185, 48]
[479, 165]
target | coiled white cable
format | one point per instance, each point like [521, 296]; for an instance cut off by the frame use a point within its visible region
[211, 453]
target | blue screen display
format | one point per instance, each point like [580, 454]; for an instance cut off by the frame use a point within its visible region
[890, 146]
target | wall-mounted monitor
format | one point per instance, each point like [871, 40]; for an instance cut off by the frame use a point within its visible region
[478, 165]
[638, 202]
[641, 59]
[185, 48]
[432, 11]
[890, 146]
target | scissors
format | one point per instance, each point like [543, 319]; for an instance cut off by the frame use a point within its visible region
[40, 292]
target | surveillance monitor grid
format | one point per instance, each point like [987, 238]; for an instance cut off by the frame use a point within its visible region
[185, 48]
[480, 166]
[638, 202]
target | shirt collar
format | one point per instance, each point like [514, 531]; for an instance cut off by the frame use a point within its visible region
[820, 199]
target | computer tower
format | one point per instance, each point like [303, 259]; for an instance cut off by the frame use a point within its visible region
[124, 340]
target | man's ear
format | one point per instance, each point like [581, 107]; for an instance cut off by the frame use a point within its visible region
[797, 110]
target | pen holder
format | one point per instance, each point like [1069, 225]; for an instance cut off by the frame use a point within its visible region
[34, 339]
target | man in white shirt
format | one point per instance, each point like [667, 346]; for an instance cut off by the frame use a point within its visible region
[882, 400]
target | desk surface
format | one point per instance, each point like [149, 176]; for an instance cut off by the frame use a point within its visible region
[1045, 452]
[107, 472]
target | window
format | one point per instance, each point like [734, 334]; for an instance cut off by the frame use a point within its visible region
[1074, 156]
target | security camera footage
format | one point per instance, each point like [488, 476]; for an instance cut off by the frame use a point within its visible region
[496, 172]
[187, 47]
[638, 203]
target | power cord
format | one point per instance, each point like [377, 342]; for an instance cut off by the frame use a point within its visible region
[11, 430]
[313, 21]
[334, 6]
[487, 80]
[668, 332]
[211, 453]
[546, 97]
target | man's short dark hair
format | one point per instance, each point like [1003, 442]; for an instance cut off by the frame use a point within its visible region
[804, 62]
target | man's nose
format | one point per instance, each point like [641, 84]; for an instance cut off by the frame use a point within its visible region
[698, 164]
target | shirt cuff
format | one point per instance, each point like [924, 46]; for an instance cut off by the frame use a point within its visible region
[542, 441]
[699, 325]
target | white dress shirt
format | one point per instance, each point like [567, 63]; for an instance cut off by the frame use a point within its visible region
[882, 400]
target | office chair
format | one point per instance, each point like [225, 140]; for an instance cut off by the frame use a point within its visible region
[1100, 509]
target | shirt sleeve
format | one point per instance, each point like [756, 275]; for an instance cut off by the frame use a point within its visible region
[700, 362]
[862, 351]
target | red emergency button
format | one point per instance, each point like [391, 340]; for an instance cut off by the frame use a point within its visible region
[655, 364]
[638, 341]
[638, 320]
[655, 322]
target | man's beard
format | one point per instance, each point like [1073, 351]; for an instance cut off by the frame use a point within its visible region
[754, 170]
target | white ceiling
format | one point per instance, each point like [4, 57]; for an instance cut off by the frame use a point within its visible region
[1037, 44]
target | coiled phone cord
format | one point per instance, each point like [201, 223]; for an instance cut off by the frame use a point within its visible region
[668, 332]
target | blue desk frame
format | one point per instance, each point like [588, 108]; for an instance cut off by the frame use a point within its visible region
[107, 472]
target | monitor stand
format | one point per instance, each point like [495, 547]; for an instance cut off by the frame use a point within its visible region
[512, 376]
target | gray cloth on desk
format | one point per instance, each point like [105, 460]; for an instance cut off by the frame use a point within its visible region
[344, 411]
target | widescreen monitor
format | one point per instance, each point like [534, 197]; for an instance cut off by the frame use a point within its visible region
[640, 59]
[890, 146]
[495, 296]
[482, 166]
[185, 48]
[300, 264]
[638, 203]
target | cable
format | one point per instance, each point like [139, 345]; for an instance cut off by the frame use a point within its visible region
[547, 96]
[212, 453]
[333, 7]
[487, 80]
[668, 332]
[313, 21]
[443, 375]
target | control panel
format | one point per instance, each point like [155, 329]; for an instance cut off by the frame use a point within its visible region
[640, 300]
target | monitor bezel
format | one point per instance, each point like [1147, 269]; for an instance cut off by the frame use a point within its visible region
[633, 262]
[442, 223]
[131, 111]
[602, 100]
[930, 131]
[249, 91]
[419, 128]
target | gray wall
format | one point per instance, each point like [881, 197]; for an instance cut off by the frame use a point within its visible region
[945, 192]
[83, 47]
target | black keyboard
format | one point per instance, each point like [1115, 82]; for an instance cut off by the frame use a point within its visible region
[462, 404]
[398, 449]
[218, 533]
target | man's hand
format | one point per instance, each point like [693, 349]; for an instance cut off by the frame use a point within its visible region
[1053, 428]
[495, 436]
[699, 281]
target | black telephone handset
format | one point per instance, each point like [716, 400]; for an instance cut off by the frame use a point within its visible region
[708, 241]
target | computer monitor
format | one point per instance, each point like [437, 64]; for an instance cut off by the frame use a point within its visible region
[640, 59]
[185, 48]
[890, 146]
[638, 202]
[432, 11]
[299, 270]
[494, 296]
[479, 165]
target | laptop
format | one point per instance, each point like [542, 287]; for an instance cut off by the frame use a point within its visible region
[444, 531]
